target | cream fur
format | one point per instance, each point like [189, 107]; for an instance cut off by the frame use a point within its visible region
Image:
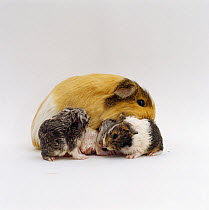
[46, 111]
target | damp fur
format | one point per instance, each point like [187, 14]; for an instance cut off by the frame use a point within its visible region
[63, 134]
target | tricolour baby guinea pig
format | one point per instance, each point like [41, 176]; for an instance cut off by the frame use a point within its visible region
[134, 137]
[103, 96]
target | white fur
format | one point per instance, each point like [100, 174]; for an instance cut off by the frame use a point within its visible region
[47, 110]
[140, 141]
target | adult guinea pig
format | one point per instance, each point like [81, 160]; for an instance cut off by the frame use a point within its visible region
[103, 96]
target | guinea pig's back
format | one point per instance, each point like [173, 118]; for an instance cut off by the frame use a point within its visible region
[80, 91]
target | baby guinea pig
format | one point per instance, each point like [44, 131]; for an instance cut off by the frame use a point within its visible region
[134, 137]
[63, 133]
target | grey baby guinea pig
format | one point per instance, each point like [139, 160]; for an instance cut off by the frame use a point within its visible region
[63, 134]
[133, 137]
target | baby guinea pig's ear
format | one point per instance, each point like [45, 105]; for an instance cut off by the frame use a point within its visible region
[133, 131]
[106, 125]
[121, 118]
[125, 89]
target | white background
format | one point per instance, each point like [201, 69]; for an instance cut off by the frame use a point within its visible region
[163, 45]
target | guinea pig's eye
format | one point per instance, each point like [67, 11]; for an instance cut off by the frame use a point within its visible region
[141, 102]
[115, 136]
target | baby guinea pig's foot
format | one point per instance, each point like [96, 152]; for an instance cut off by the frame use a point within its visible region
[154, 153]
[117, 152]
[48, 158]
[76, 154]
[105, 153]
[133, 156]
[101, 152]
[80, 157]
[88, 151]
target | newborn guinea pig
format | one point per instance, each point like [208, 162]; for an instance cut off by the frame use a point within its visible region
[134, 137]
[63, 134]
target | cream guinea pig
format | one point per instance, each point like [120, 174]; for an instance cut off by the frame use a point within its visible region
[103, 96]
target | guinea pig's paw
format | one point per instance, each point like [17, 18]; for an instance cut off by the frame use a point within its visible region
[105, 153]
[80, 157]
[113, 152]
[49, 158]
[88, 151]
[154, 153]
[76, 154]
[116, 152]
[133, 156]
[102, 152]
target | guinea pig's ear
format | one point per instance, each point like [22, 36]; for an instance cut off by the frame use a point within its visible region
[125, 89]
